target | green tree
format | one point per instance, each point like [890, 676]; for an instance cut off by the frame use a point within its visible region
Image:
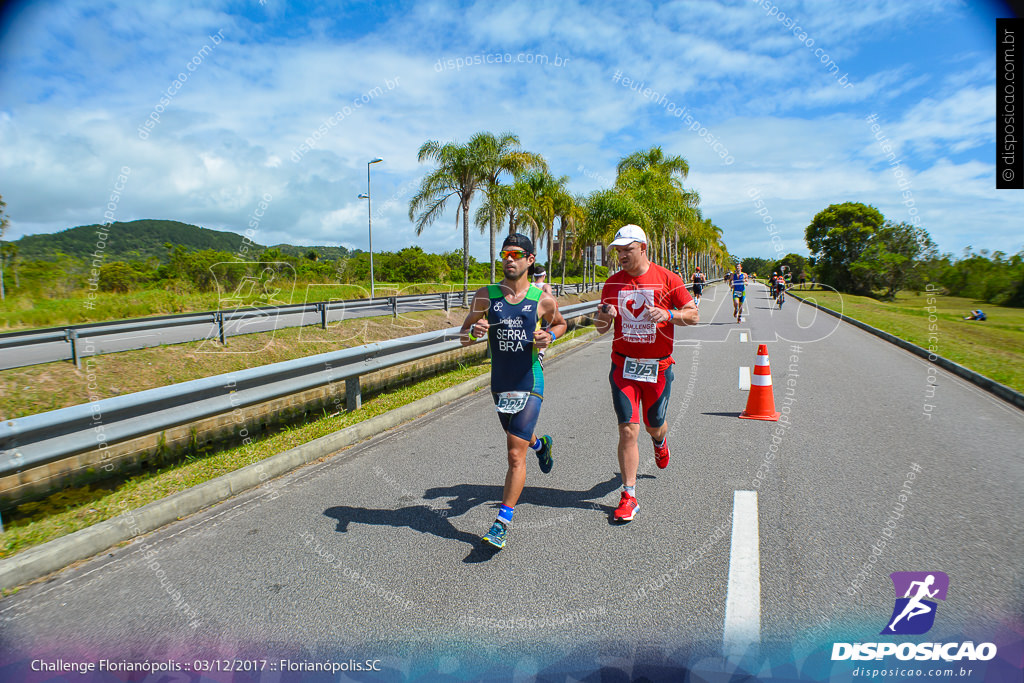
[756, 264]
[459, 173]
[571, 217]
[797, 265]
[891, 256]
[117, 276]
[498, 155]
[837, 237]
[9, 254]
[670, 212]
[547, 194]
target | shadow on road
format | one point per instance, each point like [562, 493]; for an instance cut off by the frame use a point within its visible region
[468, 496]
[436, 521]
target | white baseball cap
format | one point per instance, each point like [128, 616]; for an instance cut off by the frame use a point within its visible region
[628, 234]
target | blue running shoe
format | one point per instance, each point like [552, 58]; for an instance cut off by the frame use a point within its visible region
[545, 455]
[496, 536]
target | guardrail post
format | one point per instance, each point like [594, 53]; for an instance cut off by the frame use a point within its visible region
[444, 300]
[323, 315]
[219, 317]
[353, 395]
[393, 300]
[72, 337]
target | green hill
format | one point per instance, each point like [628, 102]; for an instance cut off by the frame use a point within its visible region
[132, 240]
[326, 253]
[143, 239]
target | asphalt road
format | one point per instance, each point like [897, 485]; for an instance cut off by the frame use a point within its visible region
[374, 554]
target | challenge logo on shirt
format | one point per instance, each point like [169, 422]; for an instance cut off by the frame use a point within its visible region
[632, 307]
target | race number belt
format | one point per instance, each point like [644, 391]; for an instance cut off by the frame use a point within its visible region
[640, 369]
[512, 401]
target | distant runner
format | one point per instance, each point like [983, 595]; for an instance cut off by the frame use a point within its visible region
[698, 285]
[645, 302]
[739, 294]
[507, 314]
[538, 273]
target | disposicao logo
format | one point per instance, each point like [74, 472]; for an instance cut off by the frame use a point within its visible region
[914, 614]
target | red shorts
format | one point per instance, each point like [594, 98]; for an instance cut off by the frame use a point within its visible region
[629, 395]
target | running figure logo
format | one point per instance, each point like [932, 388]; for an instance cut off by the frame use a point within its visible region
[914, 614]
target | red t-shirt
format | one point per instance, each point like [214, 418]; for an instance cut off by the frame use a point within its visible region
[635, 336]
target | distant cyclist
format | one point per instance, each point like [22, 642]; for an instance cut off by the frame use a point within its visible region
[778, 289]
[739, 292]
[507, 314]
[698, 284]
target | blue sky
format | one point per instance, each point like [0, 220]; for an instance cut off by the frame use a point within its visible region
[79, 81]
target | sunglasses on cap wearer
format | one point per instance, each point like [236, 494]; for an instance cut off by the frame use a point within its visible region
[514, 253]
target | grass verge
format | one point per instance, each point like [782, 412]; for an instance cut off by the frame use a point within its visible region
[72, 509]
[49, 386]
[994, 348]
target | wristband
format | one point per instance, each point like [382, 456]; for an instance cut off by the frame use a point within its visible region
[671, 315]
[469, 333]
[553, 337]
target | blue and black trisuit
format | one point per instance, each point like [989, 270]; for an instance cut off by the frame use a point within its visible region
[739, 285]
[517, 378]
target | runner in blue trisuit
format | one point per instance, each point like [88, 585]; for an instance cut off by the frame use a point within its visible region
[507, 314]
[739, 293]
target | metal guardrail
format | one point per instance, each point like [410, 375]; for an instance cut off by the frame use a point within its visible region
[36, 440]
[229, 322]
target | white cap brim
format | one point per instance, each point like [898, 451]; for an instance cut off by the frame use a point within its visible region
[623, 241]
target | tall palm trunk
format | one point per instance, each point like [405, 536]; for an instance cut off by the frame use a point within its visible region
[550, 235]
[561, 256]
[492, 242]
[465, 252]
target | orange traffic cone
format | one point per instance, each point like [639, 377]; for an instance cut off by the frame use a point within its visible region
[761, 404]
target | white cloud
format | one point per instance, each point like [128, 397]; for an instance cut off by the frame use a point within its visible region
[78, 80]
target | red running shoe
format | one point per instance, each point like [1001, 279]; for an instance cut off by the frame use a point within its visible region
[628, 507]
[661, 455]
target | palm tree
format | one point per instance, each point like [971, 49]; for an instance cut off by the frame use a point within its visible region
[606, 212]
[510, 202]
[655, 159]
[459, 173]
[654, 183]
[571, 215]
[497, 155]
[544, 191]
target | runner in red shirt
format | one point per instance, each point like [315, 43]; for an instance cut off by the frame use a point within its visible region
[645, 302]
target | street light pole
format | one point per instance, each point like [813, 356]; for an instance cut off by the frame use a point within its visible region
[369, 217]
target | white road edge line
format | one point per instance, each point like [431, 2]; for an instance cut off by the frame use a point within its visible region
[743, 595]
[745, 378]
